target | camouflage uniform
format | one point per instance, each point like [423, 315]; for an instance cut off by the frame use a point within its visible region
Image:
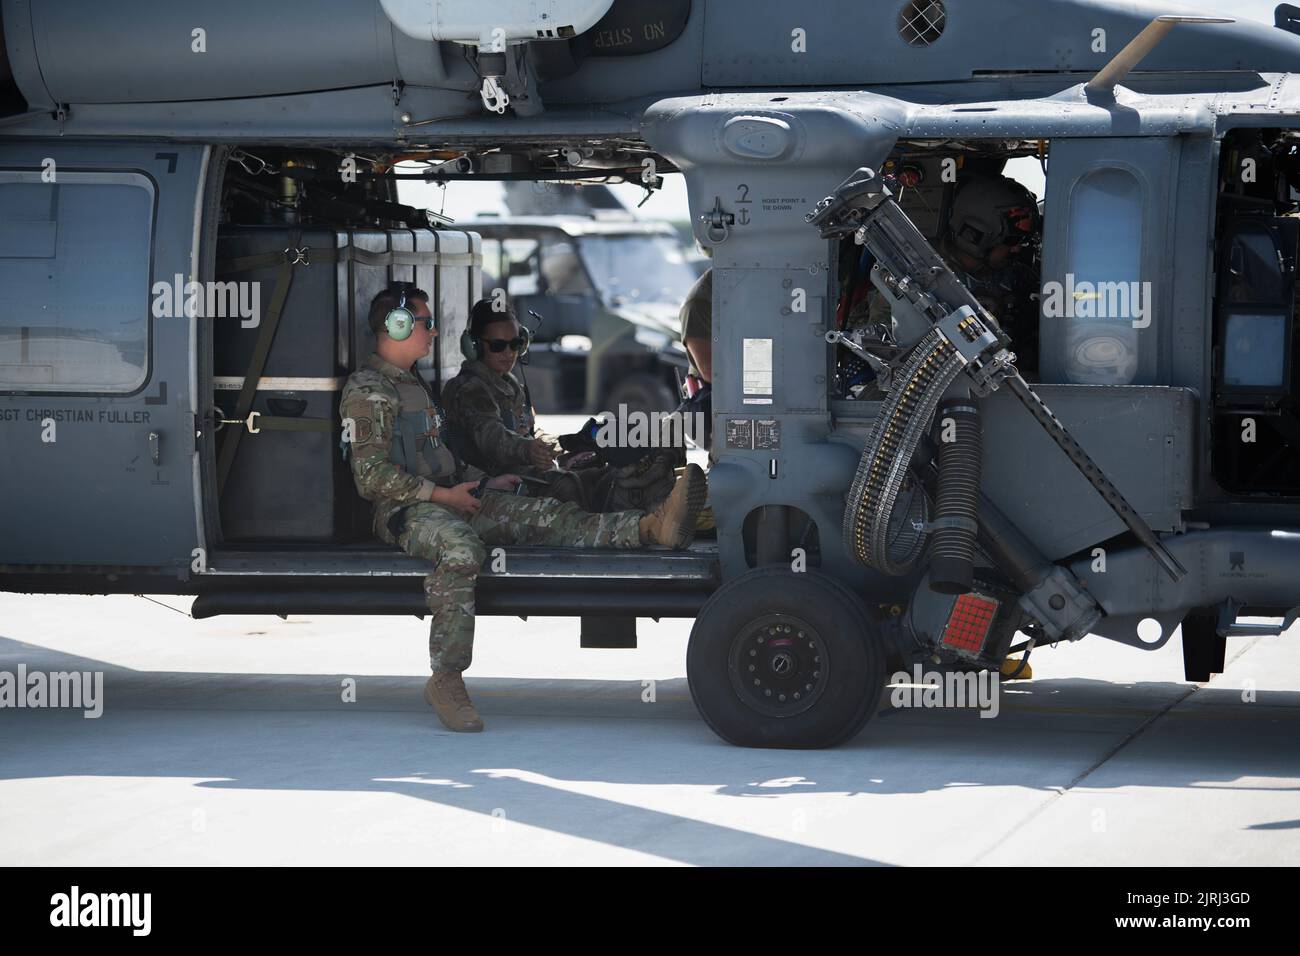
[491, 416]
[399, 458]
[492, 423]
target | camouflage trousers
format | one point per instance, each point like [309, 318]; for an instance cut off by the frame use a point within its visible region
[458, 547]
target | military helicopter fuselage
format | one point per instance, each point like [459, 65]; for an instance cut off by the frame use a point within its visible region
[1113, 449]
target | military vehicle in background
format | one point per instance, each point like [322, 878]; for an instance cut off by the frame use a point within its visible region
[607, 288]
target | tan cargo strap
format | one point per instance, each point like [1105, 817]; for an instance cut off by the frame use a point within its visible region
[257, 422]
[256, 364]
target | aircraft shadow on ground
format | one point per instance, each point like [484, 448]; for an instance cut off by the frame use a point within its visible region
[294, 732]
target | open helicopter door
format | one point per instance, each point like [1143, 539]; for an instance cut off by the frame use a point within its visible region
[97, 361]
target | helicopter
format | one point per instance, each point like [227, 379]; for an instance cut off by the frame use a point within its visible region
[194, 215]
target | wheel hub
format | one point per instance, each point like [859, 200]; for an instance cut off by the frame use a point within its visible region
[778, 665]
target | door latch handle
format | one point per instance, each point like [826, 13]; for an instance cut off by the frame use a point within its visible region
[250, 422]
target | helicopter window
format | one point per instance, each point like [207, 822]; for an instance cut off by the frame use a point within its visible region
[1104, 266]
[1256, 323]
[1256, 311]
[1254, 352]
[1254, 266]
[74, 261]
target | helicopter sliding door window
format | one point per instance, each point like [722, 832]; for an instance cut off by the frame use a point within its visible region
[1103, 279]
[1108, 244]
[75, 269]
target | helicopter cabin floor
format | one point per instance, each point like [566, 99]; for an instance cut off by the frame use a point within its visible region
[607, 588]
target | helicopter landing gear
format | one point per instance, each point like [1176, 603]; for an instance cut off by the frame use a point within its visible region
[1203, 648]
[785, 659]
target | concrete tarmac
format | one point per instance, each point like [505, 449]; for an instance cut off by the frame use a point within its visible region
[259, 741]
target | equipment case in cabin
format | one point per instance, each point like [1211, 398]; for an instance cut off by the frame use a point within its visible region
[288, 481]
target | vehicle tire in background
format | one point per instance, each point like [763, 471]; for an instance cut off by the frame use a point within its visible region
[640, 392]
[784, 659]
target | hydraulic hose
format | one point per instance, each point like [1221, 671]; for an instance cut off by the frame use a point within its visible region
[956, 510]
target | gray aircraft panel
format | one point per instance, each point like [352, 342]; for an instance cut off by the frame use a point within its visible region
[1144, 438]
[368, 114]
[612, 79]
[299, 59]
[89, 491]
[297, 48]
[768, 260]
[858, 42]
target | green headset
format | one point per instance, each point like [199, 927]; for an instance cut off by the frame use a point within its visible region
[400, 321]
[471, 346]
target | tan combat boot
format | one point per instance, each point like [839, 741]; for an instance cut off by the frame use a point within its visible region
[445, 691]
[673, 522]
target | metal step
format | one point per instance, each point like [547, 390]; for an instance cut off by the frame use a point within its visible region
[699, 563]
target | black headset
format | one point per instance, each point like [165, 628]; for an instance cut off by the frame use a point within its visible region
[471, 346]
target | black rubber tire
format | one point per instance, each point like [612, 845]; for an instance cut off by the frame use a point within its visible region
[855, 676]
[640, 392]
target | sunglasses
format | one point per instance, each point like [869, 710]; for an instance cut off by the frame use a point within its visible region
[500, 345]
[426, 322]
